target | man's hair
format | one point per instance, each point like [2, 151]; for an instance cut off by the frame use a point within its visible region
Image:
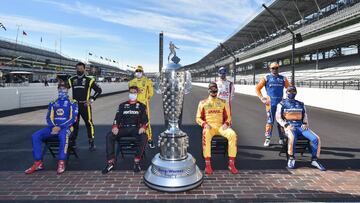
[291, 88]
[62, 83]
[212, 84]
[80, 64]
[134, 87]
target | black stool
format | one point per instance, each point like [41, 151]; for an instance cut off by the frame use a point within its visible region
[127, 145]
[219, 145]
[302, 145]
[52, 145]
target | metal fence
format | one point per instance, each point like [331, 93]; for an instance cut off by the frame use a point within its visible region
[351, 84]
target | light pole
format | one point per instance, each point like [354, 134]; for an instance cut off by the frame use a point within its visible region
[224, 48]
[295, 37]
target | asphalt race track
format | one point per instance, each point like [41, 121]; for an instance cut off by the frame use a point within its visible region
[339, 134]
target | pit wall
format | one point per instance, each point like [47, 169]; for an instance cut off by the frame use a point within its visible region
[36, 95]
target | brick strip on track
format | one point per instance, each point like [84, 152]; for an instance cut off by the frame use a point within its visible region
[262, 185]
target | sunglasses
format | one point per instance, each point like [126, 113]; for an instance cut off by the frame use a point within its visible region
[273, 68]
[138, 71]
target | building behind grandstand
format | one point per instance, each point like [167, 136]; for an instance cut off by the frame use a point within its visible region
[328, 57]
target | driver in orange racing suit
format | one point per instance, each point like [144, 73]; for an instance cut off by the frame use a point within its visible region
[213, 115]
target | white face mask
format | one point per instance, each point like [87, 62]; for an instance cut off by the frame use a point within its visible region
[138, 74]
[132, 97]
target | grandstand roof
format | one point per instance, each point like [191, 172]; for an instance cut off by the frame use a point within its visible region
[263, 25]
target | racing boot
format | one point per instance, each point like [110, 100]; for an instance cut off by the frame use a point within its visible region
[109, 166]
[137, 167]
[291, 162]
[37, 166]
[151, 144]
[61, 167]
[318, 165]
[267, 142]
[92, 146]
[268, 130]
[231, 165]
[208, 168]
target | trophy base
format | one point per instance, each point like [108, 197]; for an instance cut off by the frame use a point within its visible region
[173, 176]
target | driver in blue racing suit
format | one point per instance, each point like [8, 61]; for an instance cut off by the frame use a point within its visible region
[62, 114]
[274, 84]
[291, 114]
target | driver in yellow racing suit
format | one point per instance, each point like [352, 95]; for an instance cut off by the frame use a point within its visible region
[146, 91]
[213, 115]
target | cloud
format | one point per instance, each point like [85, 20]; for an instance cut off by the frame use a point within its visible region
[30, 24]
[175, 26]
[199, 21]
[199, 24]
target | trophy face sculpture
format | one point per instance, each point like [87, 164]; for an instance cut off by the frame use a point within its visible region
[173, 169]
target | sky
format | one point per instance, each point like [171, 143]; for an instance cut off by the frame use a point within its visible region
[126, 31]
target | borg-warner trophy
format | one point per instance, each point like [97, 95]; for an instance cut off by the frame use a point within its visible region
[173, 169]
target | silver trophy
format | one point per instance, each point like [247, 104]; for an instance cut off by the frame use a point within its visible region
[173, 169]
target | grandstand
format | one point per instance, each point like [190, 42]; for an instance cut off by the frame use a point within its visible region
[44, 63]
[328, 57]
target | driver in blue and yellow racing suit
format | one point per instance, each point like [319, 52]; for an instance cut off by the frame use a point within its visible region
[291, 114]
[61, 116]
[274, 84]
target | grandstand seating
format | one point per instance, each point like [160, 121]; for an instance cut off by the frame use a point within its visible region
[331, 69]
[341, 16]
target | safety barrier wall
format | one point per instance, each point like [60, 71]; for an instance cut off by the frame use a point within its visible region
[346, 101]
[38, 95]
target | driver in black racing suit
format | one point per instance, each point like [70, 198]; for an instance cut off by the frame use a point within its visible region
[131, 120]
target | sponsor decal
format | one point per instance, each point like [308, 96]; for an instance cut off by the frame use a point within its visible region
[214, 111]
[293, 110]
[130, 112]
[60, 112]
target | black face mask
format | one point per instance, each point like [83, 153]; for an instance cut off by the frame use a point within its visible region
[213, 93]
[79, 73]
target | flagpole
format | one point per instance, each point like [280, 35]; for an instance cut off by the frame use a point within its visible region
[60, 49]
[22, 38]
[17, 34]
[16, 41]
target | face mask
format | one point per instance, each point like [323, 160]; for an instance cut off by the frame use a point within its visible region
[213, 93]
[79, 73]
[138, 74]
[62, 93]
[291, 95]
[275, 71]
[132, 97]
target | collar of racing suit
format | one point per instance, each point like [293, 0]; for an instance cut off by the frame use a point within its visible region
[132, 101]
[212, 98]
